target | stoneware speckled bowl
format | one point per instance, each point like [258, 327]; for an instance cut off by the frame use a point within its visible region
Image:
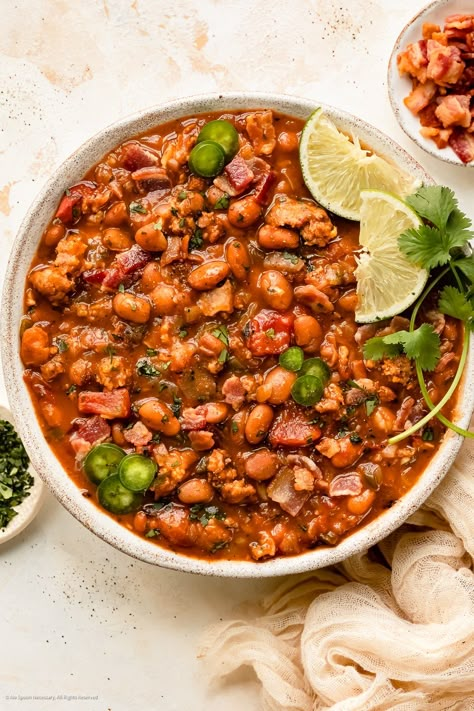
[400, 86]
[44, 461]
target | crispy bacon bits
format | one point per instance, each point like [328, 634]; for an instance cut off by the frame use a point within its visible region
[441, 66]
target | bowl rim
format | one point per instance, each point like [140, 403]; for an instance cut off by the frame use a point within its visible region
[402, 113]
[43, 458]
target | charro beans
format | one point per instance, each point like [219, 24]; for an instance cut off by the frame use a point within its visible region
[258, 423]
[163, 299]
[158, 416]
[151, 238]
[131, 307]
[208, 275]
[270, 237]
[116, 240]
[276, 290]
[238, 259]
[308, 333]
[244, 212]
[261, 465]
[280, 381]
[195, 491]
[116, 215]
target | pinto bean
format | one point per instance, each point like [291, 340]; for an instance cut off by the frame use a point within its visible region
[280, 381]
[208, 275]
[151, 238]
[360, 504]
[54, 234]
[314, 298]
[216, 412]
[116, 240]
[308, 333]
[116, 215]
[238, 259]
[163, 298]
[195, 491]
[131, 307]
[348, 454]
[156, 415]
[258, 423]
[288, 141]
[276, 290]
[117, 435]
[151, 276]
[270, 237]
[237, 427]
[244, 212]
[261, 465]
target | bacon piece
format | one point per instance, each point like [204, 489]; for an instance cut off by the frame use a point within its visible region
[95, 276]
[292, 428]
[282, 490]
[264, 187]
[69, 209]
[462, 144]
[239, 174]
[420, 96]
[234, 392]
[445, 65]
[269, 332]
[453, 110]
[113, 278]
[217, 300]
[110, 405]
[133, 259]
[345, 485]
[439, 136]
[151, 179]
[414, 60]
[135, 156]
[139, 435]
[193, 418]
[428, 116]
[201, 440]
[91, 431]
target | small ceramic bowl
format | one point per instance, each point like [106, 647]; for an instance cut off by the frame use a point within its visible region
[400, 86]
[30, 506]
[45, 462]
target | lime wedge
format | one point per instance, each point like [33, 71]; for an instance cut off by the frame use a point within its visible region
[387, 283]
[336, 169]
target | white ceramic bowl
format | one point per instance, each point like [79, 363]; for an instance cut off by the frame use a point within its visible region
[30, 506]
[400, 86]
[72, 170]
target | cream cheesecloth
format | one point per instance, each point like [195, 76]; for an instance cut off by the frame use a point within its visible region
[370, 636]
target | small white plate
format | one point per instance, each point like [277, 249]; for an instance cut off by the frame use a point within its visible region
[30, 506]
[400, 86]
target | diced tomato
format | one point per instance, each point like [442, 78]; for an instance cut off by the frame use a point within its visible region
[91, 431]
[108, 405]
[292, 428]
[133, 259]
[269, 332]
[263, 190]
[69, 209]
[239, 174]
[136, 156]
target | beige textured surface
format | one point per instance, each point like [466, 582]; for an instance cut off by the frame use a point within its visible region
[81, 618]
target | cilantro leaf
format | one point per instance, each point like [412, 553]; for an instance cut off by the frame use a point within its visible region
[376, 349]
[423, 344]
[459, 226]
[466, 265]
[434, 203]
[453, 303]
[428, 247]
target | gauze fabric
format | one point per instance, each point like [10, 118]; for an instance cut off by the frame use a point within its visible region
[389, 632]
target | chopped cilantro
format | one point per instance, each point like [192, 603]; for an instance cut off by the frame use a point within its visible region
[15, 479]
[203, 514]
[151, 352]
[428, 434]
[137, 207]
[176, 405]
[121, 288]
[182, 333]
[196, 240]
[61, 345]
[222, 203]
[222, 334]
[270, 333]
[293, 258]
[182, 195]
[147, 369]
[71, 389]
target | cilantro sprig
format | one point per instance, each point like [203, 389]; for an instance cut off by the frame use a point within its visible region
[442, 240]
